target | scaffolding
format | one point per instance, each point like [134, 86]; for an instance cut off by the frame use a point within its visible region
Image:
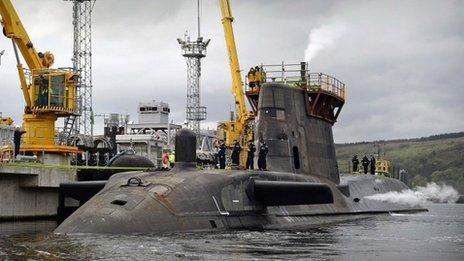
[82, 120]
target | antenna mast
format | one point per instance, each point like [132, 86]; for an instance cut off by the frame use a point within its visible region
[193, 51]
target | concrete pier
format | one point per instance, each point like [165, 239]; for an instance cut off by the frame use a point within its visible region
[29, 191]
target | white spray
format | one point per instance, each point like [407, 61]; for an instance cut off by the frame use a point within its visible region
[419, 196]
[322, 37]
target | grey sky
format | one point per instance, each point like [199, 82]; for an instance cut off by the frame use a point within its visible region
[401, 60]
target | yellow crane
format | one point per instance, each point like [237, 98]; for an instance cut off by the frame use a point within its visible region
[239, 127]
[48, 93]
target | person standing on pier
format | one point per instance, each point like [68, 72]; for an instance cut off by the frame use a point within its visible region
[251, 156]
[365, 163]
[372, 165]
[222, 155]
[17, 140]
[263, 150]
[236, 153]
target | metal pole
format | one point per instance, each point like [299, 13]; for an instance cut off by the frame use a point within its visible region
[169, 134]
[283, 69]
[198, 8]
[15, 51]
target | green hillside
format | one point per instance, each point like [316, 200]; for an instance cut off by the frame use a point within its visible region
[438, 158]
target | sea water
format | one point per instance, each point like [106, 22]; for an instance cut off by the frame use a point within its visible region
[434, 235]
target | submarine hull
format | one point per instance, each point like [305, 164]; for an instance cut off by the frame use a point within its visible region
[188, 201]
[303, 189]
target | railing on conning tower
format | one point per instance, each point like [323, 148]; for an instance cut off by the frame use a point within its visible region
[298, 74]
[322, 81]
[324, 94]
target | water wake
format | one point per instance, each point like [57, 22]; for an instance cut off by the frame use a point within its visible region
[420, 195]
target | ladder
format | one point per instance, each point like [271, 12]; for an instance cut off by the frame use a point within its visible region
[68, 127]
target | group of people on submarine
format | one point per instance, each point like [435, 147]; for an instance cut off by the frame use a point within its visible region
[235, 156]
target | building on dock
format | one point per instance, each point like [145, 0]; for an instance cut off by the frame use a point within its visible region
[152, 134]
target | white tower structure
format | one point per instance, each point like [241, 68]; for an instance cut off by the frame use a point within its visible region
[194, 51]
[82, 122]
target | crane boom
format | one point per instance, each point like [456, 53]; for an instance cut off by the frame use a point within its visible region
[239, 129]
[237, 84]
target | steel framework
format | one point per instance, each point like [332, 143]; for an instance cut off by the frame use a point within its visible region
[82, 121]
[194, 51]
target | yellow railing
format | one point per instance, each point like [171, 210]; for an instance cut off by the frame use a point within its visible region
[52, 90]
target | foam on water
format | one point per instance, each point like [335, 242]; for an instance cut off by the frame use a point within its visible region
[420, 195]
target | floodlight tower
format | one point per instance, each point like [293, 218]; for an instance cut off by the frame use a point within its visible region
[194, 51]
[82, 122]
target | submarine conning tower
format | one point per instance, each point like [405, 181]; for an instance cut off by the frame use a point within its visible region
[185, 146]
[296, 110]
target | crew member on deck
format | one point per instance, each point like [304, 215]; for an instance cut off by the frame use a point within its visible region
[263, 150]
[251, 79]
[251, 156]
[365, 163]
[372, 165]
[355, 162]
[236, 153]
[172, 159]
[222, 155]
[258, 77]
[165, 160]
[263, 75]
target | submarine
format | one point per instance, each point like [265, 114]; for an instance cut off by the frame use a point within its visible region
[303, 187]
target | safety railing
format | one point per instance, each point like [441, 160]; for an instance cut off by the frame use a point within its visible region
[322, 81]
[296, 74]
[51, 90]
[282, 73]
